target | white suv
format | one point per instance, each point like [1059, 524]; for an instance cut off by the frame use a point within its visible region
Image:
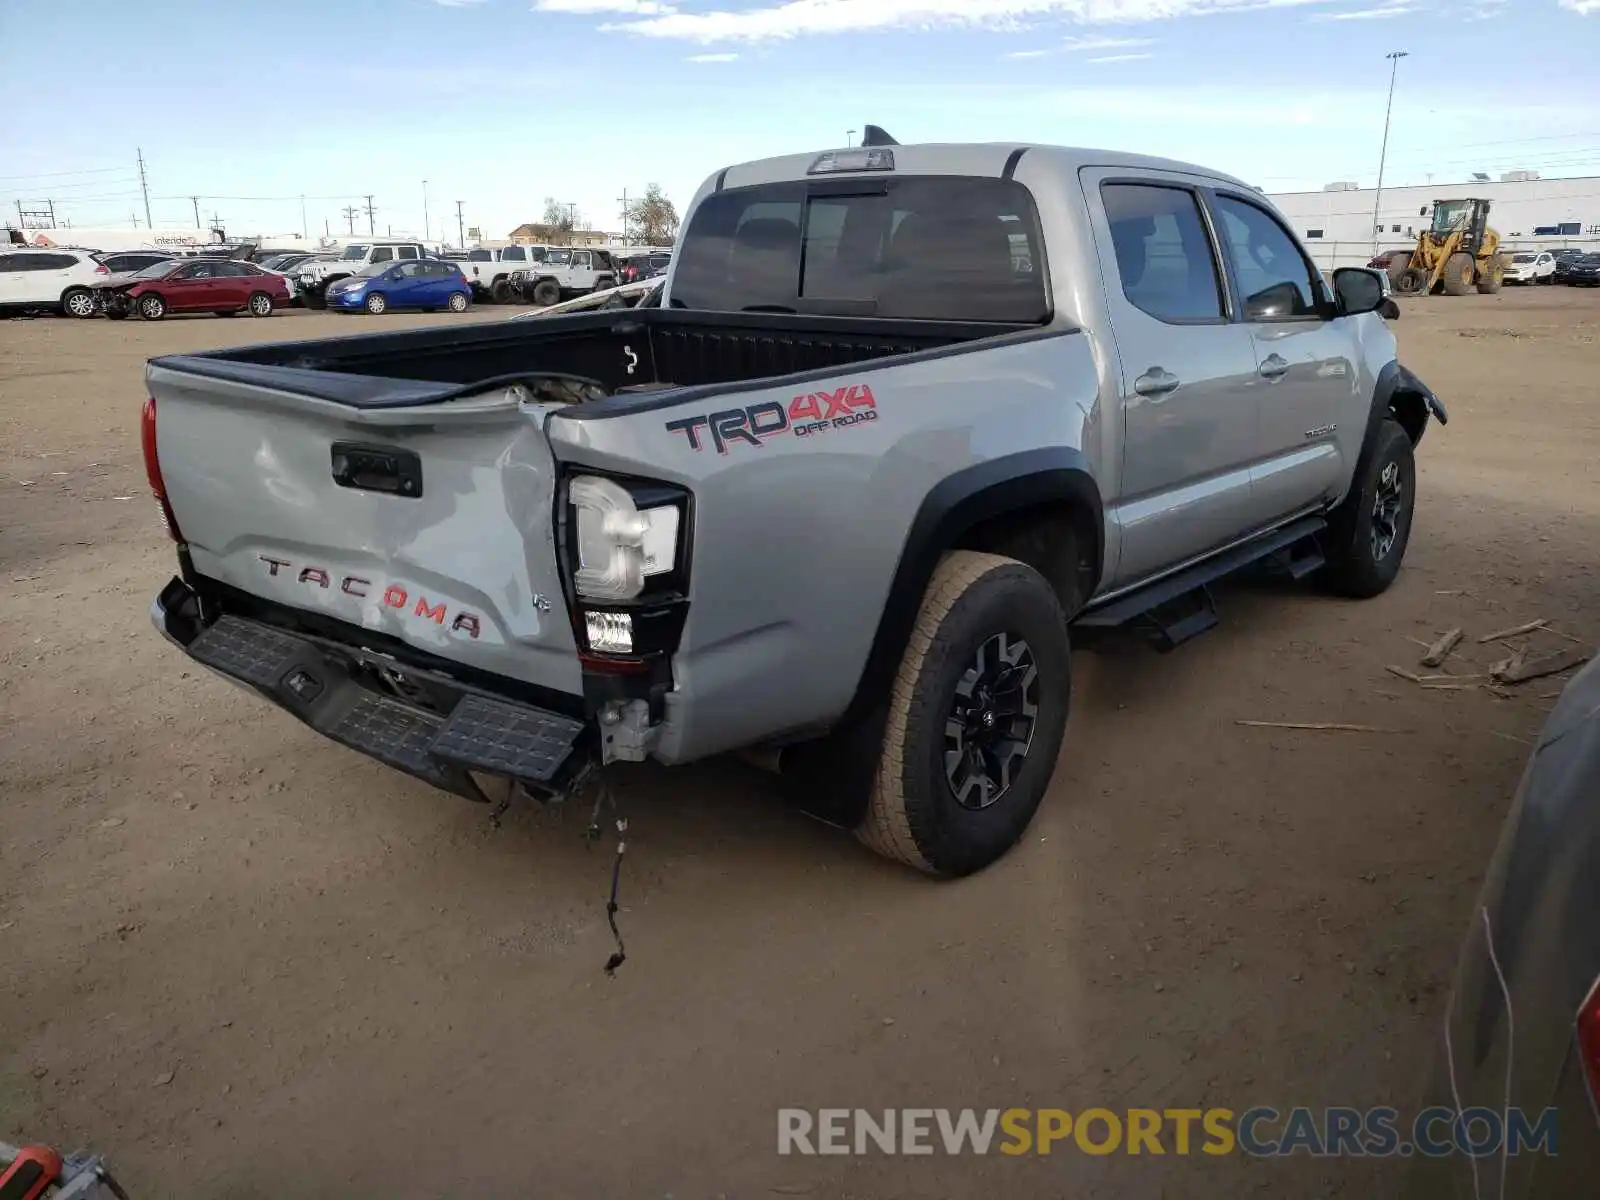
[49, 278]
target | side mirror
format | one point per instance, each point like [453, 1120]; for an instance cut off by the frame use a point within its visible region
[1358, 290]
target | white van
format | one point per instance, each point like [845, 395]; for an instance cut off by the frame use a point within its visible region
[49, 278]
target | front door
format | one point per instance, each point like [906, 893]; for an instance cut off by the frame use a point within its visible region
[1307, 378]
[1186, 402]
[193, 288]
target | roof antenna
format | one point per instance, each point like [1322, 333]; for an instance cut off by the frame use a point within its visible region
[874, 135]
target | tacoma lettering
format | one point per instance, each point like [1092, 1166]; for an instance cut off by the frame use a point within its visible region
[395, 595]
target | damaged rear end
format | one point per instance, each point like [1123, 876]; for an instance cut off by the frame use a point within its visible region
[418, 577]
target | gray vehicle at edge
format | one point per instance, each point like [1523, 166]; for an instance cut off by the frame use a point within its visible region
[904, 415]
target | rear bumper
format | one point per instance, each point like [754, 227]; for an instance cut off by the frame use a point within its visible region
[423, 722]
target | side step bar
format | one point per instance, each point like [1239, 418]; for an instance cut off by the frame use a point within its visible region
[1174, 609]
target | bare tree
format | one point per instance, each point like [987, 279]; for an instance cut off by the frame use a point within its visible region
[653, 219]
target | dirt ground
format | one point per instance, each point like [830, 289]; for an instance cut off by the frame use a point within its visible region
[242, 961]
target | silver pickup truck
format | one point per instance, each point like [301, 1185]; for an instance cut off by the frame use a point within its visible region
[906, 418]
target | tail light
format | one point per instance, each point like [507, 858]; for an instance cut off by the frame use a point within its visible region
[152, 469]
[102, 269]
[1589, 1041]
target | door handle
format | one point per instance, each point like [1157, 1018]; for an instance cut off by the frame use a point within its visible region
[1273, 367]
[1156, 382]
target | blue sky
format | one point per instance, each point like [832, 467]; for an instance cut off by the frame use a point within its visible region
[500, 103]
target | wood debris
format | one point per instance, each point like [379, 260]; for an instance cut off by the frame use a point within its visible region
[1524, 669]
[1325, 726]
[1403, 673]
[1440, 650]
[1514, 631]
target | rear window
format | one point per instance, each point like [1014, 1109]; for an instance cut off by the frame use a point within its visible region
[935, 248]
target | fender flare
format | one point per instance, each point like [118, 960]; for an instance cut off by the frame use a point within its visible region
[1413, 402]
[958, 503]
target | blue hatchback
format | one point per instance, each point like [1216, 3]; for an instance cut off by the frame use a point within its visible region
[425, 283]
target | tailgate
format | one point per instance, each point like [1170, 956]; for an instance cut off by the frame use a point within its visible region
[430, 524]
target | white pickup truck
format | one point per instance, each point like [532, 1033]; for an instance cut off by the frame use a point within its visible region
[908, 420]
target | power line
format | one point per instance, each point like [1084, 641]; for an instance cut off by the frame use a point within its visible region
[64, 174]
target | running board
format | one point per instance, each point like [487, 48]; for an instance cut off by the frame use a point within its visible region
[1179, 607]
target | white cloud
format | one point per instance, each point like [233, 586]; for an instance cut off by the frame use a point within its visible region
[770, 21]
[1582, 7]
[1027, 54]
[457, 3]
[1082, 45]
[635, 8]
[1111, 58]
[713, 58]
[1369, 14]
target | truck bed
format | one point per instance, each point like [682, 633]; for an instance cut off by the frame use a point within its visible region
[618, 350]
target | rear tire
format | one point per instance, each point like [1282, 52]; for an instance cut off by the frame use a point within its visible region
[1460, 274]
[976, 716]
[77, 302]
[458, 302]
[1367, 536]
[377, 304]
[546, 292]
[260, 305]
[1491, 277]
[152, 307]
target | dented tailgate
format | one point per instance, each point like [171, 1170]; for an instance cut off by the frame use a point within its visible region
[429, 524]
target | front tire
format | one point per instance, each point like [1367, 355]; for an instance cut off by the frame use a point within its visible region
[1460, 274]
[458, 302]
[1367, 537]
[152, 307]
[976, 715]
[546, 292]
[500, 291]
[376, 304]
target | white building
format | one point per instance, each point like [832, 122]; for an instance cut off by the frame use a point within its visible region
[1338, 226]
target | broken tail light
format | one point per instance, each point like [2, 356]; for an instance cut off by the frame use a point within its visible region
[152, 469]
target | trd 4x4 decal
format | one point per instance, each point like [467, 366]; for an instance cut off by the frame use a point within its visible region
[806, 416]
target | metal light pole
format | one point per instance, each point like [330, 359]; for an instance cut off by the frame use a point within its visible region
[849, 137]
[1394, 57]
[427, 234]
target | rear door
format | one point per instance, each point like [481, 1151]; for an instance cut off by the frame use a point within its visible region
[1303, 358]
[1187, 372]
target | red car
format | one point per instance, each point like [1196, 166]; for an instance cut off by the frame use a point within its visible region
[215, 285]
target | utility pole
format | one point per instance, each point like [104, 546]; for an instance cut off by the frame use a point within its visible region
[372, 228]
[849, 137]
[1394, 57]
[625, 242]
[195, 200]
[461, 226]
[327, 230]
[305, 226]
[134, 217]
[427, 230]
[144, 187]
[348, 212]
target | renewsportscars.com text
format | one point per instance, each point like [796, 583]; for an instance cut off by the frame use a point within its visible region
[1260, 1131]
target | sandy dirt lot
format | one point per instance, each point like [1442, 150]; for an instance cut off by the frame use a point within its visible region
[244, 962]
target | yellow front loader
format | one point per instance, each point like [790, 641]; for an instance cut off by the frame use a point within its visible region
[1454, 255]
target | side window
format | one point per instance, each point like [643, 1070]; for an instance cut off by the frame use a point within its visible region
[1163, 255]
[408, 252]
[382, 254]
[192, 271]
[513, 254]
[581, 259]
[1273, 277]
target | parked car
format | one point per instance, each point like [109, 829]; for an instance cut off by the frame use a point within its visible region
[217, 285]
[1390, 259]
[562, 272]
[1522, 1028]
[1583, 271]
[1564, 259]
[56, 279]
[498, 578]
[313, 276]
[129, 261]
[285, 262]
[1530, 266]
[637, 265]
[427, 283]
